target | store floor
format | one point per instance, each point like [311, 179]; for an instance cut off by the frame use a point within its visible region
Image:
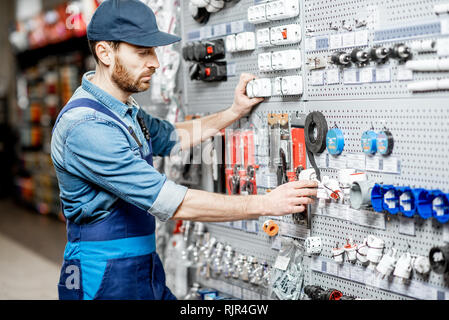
[31, 249]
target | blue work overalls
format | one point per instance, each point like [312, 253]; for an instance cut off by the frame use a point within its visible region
[116, 257]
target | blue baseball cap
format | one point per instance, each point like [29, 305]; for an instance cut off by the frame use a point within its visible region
[129, 21]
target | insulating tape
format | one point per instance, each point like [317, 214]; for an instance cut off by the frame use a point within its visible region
[315, 132]
[385, 143]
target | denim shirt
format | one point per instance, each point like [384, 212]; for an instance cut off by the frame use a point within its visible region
[97, 162]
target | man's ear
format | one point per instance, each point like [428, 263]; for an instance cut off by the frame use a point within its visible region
[105, 53]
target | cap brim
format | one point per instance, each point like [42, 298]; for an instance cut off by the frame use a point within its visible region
[156, 39]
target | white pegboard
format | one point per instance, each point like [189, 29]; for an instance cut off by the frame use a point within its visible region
[418, 122]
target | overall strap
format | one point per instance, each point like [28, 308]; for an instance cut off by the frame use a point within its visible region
[92, 104]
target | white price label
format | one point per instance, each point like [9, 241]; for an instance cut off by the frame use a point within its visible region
[251, 226]
[238, 224]
[391, 165]
[344, 271]
[383, 75]
[317, 78]
[407, 226]
[445, 26]
[355, 161]
[350, 76]
[237, 26]
[333, 76]
[372, 163]
[337, 162]
[348, 39]
[206, 32]
[366, 75]
[335, 41]
[310, 44]
[446, 232]
[443, 47]
[361, 38]
[220, 29]
[404, 74]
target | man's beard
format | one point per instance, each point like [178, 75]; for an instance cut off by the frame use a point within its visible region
[124, 80]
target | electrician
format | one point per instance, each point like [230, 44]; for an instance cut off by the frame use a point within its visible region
[102, 148]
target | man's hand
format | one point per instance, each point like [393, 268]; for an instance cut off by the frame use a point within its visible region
[242, 104]
[290, 198]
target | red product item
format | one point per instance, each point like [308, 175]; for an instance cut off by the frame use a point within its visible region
[298, 148]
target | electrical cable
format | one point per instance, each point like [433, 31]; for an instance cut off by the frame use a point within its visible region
[315, 131]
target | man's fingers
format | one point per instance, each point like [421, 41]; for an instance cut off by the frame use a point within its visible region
[306, 192]
[304, 184]
[303, 201]
[298, 209]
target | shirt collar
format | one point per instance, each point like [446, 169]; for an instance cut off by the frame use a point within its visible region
[108, 100]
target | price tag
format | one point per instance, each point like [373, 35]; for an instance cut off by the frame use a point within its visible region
[310, 44]
[383, 75]
[407, 226]
[206, 32]
[350, 76]
[335, 41]
[404, 74]
[338, 162]
[332, 268]
[443, 47]
[333, 76]
[446, 232]
[366, 75]
[372, 219]
[220, 29]
[237, 26]
[445, 26]
[348, 39]
[317, 78]
[391, 165]
[372, 163]
[282, 263]
[344, 271]
[355, 161]
[358, 274]
[251, 226]
[361, 38]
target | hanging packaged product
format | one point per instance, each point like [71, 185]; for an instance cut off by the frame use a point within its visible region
[385, 143]
[369, 142]
[287, 277]
[335, 141]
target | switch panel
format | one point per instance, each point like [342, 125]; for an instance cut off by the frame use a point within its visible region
[263, 37]
[257, 14]
[282, 9]
[287, 34]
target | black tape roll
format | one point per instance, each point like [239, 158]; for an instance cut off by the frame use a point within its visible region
[315, 131]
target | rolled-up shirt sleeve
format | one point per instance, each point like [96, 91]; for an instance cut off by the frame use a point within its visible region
[100, 152]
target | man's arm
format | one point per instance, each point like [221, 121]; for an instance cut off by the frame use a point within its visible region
[286, 199]
[195, 131]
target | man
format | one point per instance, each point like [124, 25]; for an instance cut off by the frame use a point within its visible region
[102, 149]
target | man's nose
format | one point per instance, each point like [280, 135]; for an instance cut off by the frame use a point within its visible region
[153, 62]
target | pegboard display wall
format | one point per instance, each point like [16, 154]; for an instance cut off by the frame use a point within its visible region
[355, 98]
[364, 24]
